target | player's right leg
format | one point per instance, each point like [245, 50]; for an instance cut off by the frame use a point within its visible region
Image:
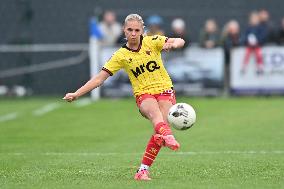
[152, 148]
[149, 108]
[149, 156]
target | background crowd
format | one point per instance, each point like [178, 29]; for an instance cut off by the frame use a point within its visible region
[260, 30]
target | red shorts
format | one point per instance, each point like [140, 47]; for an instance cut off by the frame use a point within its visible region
[166, 95]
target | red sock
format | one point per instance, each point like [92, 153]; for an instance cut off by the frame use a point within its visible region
[151, 152]
[163, 128]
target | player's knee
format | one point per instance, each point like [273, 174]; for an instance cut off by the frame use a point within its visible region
[156, 117]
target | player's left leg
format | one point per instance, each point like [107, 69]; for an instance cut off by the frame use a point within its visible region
[149, 108]
[165, 101]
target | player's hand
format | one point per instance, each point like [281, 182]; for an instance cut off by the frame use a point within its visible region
[168, 46]
[69, 97]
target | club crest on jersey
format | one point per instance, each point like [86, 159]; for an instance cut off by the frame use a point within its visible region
[148, 52]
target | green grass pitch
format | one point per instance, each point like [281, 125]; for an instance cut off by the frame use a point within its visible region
[235, 143]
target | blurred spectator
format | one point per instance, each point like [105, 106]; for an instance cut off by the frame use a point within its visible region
[209, 35]
[179, 31]
[266, 26]
[154, 25]
[280, 33]
[253, 39]
[121, 39]
[110, 28]
[231, 37]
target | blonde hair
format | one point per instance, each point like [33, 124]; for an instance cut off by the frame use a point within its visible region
[135, 17]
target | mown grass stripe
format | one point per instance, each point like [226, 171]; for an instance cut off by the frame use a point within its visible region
[8, 117]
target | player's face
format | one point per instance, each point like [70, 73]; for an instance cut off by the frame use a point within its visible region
[133, 30]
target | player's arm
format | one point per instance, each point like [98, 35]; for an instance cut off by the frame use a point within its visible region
[93, 83]
[173, 43]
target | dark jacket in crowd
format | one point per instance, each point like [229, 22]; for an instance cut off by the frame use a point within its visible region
[257, 31]
[280, 37]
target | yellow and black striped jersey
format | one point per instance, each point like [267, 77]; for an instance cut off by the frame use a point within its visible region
[144, 66]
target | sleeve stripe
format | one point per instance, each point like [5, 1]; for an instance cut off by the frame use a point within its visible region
[106, 70]
[166, 39]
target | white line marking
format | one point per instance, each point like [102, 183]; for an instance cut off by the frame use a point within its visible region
[46, 109]
[8, 117]
[231, 152]
[83, 102]
[251, 152]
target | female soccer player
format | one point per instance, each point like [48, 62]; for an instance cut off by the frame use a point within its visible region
[141, 58]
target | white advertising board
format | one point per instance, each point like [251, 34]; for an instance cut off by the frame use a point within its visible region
[250, 81]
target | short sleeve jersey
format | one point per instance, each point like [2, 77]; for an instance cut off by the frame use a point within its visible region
[144, 66]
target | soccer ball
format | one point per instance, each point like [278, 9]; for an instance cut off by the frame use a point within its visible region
[181, 116]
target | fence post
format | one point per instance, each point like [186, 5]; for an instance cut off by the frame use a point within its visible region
[95, 36]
